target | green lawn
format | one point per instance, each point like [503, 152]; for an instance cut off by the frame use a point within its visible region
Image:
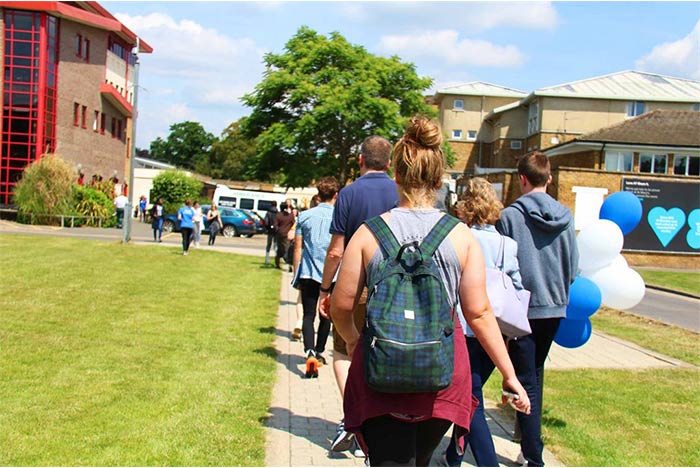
[595, 417]
[680, 280]
[133, 355]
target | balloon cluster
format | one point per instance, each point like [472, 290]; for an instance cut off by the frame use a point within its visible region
[604, 276]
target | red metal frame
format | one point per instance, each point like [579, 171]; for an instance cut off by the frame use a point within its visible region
[29, 94]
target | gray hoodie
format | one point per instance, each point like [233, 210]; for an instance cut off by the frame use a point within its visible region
[547, 252]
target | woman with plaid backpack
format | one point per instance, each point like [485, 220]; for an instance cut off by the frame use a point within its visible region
[396, 428]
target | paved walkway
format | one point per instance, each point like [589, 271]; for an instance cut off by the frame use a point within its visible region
[304, 412]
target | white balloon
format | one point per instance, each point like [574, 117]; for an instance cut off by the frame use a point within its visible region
[620, 288]
[619, 262]
[598, 244]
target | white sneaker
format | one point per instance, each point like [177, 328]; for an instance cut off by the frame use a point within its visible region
[520, 459]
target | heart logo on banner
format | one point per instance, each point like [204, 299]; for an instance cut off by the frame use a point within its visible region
[693, 236]
[666, 223]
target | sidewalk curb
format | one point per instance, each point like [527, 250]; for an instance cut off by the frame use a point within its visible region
[672, 291]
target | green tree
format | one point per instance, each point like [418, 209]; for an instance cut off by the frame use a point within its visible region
[320, 98]
[188, 147]
[234, 156]
[174, 187]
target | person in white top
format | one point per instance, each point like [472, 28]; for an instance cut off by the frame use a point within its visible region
[197, 221]
[120, 203]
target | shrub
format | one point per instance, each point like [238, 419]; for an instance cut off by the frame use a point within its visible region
[174, 187]
[94, 203]
[45, 189]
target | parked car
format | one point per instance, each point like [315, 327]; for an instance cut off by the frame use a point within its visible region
[259, 221]
[235, 222]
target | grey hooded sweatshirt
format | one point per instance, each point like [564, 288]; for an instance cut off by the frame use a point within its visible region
[547, 252]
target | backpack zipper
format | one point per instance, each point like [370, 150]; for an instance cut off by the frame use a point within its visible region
[399, 343]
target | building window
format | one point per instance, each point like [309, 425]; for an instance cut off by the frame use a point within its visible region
[96, 122]
[653, 163]
[83, 117]
[635, 108]
[103, 123]
[114, 127]
[86, 50]
[533, 118]
[458, 104]
[456, 134]
[618, 161]
[687, 165]
[78, 45]
[696, 107]
[76, 114]
[119, 129]
[471, 135]
[516, 144]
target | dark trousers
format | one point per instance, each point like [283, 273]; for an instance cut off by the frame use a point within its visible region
[309, 297]
[186, 238]
[479, 438]
[528, 355]
[157, 228]
[392, 442]
[120, 217]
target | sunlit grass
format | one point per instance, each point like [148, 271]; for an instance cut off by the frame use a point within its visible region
[133, 355]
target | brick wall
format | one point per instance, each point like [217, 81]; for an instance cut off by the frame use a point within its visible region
[79, 82]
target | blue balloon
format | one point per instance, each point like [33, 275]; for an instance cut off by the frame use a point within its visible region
[624, 209]
[573, 333]
[584, 299]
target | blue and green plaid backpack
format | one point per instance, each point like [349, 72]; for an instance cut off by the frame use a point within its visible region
[408, 341]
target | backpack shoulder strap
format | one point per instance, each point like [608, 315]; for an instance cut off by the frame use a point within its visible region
[437, 234]
[386, 238]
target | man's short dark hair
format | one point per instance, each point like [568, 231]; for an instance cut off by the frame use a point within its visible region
[535, 167]
[327, 188]
[377, 152]
[273, 203]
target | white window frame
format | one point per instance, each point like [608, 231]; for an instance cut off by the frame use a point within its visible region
[471, 138]
[533, 118]
[458, 107]
[653, 162]
[635, 109]
[516, 144]
[686, 163]
[456, 134]
[620, 157]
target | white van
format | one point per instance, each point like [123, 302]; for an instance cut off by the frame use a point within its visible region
[247, 199]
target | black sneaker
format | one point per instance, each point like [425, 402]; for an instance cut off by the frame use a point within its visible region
[343, 440]
[321, 360]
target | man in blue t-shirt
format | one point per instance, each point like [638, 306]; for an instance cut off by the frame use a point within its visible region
[370, 195]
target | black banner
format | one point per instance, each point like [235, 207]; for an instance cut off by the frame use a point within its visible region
[670, 216]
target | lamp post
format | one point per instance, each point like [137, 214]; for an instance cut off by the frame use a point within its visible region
[132, 151]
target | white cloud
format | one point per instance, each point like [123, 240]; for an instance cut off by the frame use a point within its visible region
[192, 64]
[679, 58]
[446, 46]
[472, 16]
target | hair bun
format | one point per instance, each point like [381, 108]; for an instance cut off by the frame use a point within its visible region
[425, 132]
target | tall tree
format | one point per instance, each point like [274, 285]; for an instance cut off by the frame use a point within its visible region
[321, 97]
[187, 147]
[234, 156]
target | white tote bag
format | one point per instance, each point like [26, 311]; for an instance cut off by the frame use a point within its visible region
[509, 305]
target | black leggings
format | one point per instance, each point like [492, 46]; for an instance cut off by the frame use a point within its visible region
[309, 297]
[186, 238]
[392, 442]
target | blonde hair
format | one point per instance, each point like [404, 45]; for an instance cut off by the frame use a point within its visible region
[418, 161]
[481, 203]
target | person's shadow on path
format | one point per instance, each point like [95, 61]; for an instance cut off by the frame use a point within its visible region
[316, 430]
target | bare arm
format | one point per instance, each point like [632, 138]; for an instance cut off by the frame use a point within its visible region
[296, 258]
[334, 255]
[348, 288]
[477, 311]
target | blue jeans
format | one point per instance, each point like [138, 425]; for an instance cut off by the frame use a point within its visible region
[157, 228]
[528, 354]
[479, 438]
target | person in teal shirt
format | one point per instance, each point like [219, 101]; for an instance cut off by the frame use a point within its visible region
[185, 215]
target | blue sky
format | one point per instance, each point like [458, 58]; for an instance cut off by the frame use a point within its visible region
[208, 54]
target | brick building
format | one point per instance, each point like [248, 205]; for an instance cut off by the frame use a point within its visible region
[67, 80]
